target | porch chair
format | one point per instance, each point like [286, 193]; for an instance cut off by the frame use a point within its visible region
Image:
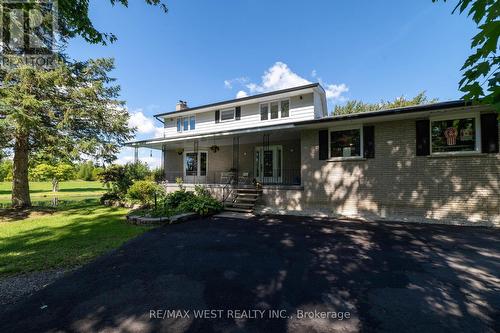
[226, 177]
[243, 179]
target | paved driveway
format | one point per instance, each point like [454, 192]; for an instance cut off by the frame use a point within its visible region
[377, 277]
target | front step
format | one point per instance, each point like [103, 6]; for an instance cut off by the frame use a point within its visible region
[243, 200]
[239, 204]
[241, 210]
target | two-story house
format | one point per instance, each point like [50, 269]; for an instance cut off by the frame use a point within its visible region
[431, 162]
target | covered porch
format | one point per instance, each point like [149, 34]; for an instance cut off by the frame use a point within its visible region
[245, 159]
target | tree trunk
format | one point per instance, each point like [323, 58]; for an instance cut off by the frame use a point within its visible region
[20, 184]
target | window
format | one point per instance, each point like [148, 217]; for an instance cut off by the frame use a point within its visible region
[226, 115]
[186, 123]
[191, 164]
[264, 109]
[192, 123]
[285, 107]
[275, 109]
[346, 143]
[454, 135]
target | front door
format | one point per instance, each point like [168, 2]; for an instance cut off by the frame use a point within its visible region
[195, 167]
[268, 164]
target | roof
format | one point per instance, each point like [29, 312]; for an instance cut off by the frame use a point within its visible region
[353, 116]
[386, 112]
[243, 99]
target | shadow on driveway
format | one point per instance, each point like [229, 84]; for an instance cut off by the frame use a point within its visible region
[389, 277]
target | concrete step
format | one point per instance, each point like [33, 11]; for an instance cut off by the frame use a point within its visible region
[247, 194]
[239, 204]
[249, 190]
[234, 209]
[248, 199]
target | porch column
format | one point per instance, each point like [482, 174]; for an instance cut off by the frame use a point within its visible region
[236, 155]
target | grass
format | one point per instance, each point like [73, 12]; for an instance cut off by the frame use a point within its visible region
[42, 191]
[66, 236]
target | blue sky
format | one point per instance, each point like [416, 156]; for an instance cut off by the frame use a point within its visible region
[206, 51]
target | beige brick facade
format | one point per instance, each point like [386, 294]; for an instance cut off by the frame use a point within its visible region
[397, 184]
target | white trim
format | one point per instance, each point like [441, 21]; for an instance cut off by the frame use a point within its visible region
[224, 110]
[268, 103]
[188, 117]
[346, 128]
[461, 115]
[260, 163]
[198, 167]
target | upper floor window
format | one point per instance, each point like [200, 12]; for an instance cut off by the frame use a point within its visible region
[226, 115]
[186, 123]
[275, 109]
[453, 135]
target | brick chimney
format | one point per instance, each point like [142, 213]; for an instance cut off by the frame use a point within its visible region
[181, 105]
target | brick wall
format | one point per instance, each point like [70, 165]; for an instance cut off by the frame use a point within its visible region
[397, 184]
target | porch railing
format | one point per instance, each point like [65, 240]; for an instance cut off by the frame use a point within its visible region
[224, 177]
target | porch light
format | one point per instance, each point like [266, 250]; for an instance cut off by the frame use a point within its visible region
[214, 148]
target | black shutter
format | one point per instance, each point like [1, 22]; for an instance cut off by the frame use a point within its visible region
[423, 137]
[489, 133]
[237, 114]
[369, 141]
[323, 144]
[217, 116]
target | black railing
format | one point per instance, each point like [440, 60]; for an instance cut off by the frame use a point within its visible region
[224, 177]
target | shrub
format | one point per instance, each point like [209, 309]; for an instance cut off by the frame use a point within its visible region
[5, 171]
[202, 205]
[109, 196]
[145, 191]
[199, 202]
[116, 180]
[137, 171]
[174, 199]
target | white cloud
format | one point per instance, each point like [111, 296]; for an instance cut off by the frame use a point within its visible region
[239, 80]
[241, 94]
[280, 76]
[144, 125]
[335, 91]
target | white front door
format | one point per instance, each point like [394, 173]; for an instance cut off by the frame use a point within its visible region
[269, 164]
[195, 167]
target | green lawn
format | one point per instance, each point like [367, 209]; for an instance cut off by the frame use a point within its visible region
[66, 236]
[42, 191]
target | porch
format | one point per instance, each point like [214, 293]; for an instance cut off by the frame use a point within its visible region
[245, 160]
[269, 159]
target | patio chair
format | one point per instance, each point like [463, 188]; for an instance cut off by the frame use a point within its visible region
[226, 177]
[244, 178]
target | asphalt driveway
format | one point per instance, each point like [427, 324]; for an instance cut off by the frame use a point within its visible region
[278, 274]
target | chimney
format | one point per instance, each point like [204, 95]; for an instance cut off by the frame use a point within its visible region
[181, 105]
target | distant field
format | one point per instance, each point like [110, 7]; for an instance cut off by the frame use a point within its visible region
[42, 191]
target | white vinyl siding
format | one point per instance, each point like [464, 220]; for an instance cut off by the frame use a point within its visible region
[299, 110]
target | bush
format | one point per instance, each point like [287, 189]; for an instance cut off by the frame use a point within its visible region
[145, 192]
[202, 205]
[174, 199]
[199, 202]
[116, 180]
[5, 171]
[109, 196]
